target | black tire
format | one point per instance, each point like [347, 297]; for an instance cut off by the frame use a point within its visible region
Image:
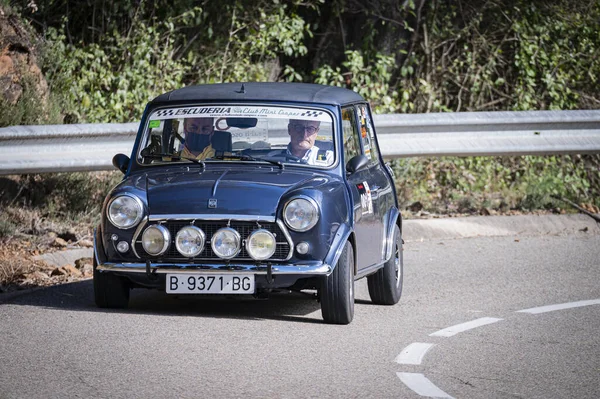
[385, 286]
[110, 291]
[337, 290]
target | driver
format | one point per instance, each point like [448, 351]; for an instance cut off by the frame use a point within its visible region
[198, 135]
[303, 134]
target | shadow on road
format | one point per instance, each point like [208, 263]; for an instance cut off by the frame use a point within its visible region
[296, 307]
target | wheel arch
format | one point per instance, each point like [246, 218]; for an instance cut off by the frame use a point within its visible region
[352, 239]
[394, 219]
[344, 233]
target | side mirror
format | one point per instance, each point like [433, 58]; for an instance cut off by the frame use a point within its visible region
[357, 163]
[121, 162]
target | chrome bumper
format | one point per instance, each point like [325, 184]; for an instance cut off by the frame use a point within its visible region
[316, 268]
[320, 269]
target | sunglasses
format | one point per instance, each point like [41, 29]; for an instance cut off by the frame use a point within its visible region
[297, 128]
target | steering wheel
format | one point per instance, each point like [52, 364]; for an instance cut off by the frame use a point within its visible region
[285, 156]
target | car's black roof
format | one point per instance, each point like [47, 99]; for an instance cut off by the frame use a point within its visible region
[262, 91]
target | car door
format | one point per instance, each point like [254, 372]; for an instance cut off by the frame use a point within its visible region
[381, 187]
[367, 227]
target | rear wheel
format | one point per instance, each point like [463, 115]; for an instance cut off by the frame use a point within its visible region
[110, 291]
[385, 286]
[337, 290]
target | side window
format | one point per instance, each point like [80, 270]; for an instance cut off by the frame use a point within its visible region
[351, 146]
[368, 133]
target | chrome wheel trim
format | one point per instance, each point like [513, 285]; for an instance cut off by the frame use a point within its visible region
[397, 266]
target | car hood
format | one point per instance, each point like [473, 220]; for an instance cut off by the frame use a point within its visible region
[252, 191]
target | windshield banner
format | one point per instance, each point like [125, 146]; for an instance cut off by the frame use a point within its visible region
[242, 111]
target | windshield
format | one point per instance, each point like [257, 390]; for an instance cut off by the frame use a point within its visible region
[239, 133]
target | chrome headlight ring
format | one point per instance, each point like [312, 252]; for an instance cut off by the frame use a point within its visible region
[190, 241]
[125, 211]
[156, 239]
[261, 244]
[226, 243]
[301, 213]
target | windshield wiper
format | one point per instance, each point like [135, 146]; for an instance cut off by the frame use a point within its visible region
[175, 157]
[246, 157]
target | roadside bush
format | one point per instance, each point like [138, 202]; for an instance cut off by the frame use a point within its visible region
[29, 110]
[113, 80]
[439, 56]
[7, 227]
[466, 185]
[60, 200]
[371, 80]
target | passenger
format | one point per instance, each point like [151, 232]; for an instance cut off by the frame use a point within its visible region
[198, 135]
[303, 134]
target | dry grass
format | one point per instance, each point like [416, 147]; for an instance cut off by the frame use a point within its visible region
[35, 210]
[17, 263]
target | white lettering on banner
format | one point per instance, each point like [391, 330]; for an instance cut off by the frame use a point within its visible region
[245, 111]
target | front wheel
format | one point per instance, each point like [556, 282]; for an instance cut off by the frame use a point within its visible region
[110, 291]
[385, 286]
[337, 290]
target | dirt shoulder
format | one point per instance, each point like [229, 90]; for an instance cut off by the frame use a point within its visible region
[25, 263]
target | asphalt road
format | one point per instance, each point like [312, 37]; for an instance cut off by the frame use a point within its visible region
[55, 344]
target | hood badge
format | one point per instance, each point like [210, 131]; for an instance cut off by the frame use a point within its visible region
[212, 203]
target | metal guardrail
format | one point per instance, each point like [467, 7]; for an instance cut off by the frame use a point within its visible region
[489, 133]
[88, 147]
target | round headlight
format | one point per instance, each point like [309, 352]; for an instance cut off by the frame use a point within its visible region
[156, 239]
[301, 214]
[189, 241]
[225, 243]
[125, 211]
[261, 244]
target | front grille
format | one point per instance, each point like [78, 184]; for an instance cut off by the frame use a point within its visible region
[282, 249]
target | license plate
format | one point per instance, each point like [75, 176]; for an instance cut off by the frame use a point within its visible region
[210, 284]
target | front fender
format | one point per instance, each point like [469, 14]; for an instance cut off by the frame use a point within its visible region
[337, 245]
[99, 252]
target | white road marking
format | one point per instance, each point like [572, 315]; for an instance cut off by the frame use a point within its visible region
[560, 306]
[450, 331]
[413, 353]
[421, 385]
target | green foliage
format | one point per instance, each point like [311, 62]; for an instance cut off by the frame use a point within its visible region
[112, 81]
[372, 81]
[35, 204]
[438, 56]
[73, 193]
[255, 40]
[31, 107]
[276, 33]
[497, 56]
[450, 184]
[535, 57]
[65, 195]
[555, 57]
[7, 227]
[29, 110]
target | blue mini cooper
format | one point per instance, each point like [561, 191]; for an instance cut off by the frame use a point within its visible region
[252, 188]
